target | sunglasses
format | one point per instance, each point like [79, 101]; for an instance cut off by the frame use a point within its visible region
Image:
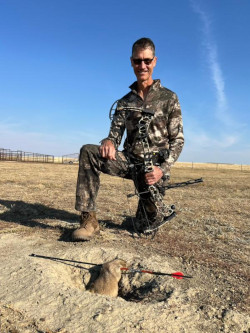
[139, 61]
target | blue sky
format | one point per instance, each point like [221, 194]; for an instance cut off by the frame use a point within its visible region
[64, 62]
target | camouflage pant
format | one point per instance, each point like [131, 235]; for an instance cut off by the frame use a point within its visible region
[91, 164]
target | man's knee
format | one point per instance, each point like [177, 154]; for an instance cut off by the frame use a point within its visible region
[88, 148]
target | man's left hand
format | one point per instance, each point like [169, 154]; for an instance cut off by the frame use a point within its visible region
[153, 177]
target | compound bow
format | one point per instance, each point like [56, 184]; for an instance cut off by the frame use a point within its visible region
[164, 212]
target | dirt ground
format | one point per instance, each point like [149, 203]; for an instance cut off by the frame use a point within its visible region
[208, 240]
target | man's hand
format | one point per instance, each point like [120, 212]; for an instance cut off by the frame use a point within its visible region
[107, 150]
[153, 177]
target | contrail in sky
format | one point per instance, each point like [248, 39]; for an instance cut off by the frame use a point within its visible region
[214, 65]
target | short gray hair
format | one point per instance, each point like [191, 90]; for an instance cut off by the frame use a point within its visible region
[144, 43]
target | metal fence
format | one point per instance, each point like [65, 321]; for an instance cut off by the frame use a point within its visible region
[213, 166]
[22, 156]
[70, 158]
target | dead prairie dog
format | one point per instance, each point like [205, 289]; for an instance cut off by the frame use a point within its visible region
[107, 281]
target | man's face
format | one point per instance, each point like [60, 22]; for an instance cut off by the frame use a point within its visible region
[142, 70]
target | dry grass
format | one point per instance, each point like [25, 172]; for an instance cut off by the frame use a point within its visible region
[213, 166]
[211, 229]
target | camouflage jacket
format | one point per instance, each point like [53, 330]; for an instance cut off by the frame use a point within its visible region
[165, 130]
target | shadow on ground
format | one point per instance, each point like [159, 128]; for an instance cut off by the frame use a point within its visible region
[127, 224]
[24, 213]
[33, 215]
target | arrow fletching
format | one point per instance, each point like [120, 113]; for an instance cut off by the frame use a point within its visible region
[177, 275]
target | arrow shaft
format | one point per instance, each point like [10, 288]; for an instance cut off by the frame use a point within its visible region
[61, 259]
[178, 274]
[174, 275]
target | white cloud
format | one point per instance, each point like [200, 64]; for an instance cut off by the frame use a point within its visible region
[201, 146]
[15, 137]
[202, 139]
[205, 145]
[214, 65]
[198, 154]
[223, 141]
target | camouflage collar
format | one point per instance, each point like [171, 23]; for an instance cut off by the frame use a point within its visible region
[156, 85]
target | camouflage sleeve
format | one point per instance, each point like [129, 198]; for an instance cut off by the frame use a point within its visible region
[117, 128]
[175, 132]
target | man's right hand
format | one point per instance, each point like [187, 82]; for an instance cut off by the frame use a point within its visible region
[107, 150]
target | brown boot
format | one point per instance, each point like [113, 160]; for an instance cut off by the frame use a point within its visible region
[88, 227]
